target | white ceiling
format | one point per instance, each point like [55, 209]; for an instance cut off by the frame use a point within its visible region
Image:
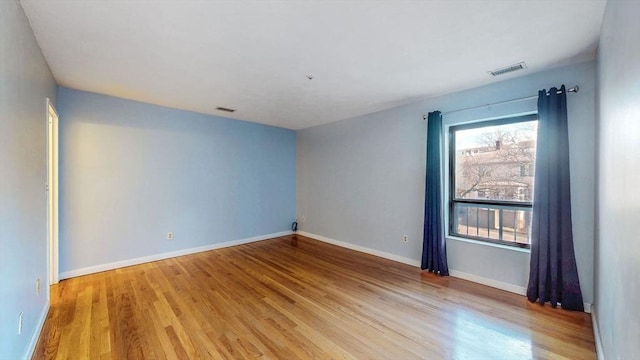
[254, 56]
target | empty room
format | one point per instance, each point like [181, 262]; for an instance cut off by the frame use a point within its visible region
[319, 179]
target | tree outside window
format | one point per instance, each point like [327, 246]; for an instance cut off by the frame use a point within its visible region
[492, 167]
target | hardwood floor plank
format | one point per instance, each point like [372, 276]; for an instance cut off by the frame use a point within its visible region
[303, 299]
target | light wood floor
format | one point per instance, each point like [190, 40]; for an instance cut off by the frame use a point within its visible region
[276, 300]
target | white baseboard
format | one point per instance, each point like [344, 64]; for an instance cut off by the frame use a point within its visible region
[167, 255]
[36, 332]
[366, 250]
[520, 290]
[596, 334]
[459, 274]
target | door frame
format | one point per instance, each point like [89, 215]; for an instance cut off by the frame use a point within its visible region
[52, 121]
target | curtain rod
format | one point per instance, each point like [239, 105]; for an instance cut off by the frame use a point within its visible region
[573, 90]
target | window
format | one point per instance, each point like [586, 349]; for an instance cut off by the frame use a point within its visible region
[526, 170]
[491, 167]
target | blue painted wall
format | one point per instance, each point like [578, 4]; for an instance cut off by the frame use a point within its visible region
[25, 83]
[361, 180]
[130, 172]
[617, 279]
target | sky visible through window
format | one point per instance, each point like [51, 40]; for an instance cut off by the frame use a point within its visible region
[472, 138]
[493, 168]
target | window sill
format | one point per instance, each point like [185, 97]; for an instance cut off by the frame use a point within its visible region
[484, 243]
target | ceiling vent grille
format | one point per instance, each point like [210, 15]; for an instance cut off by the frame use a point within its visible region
[225, 109]
[508, 69]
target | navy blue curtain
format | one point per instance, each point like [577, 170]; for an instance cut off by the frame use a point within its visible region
[553, 275]
[434, 250]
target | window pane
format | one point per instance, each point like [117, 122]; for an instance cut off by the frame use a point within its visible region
[496, 162]
[492, 222]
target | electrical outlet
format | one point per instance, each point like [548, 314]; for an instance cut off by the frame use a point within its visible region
[20, 323]
[302, 219]
[38, 286]
[405, 238]
[170, 235]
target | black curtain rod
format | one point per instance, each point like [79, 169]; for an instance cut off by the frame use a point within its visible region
[573, 90]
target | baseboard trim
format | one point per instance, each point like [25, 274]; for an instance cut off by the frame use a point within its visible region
[458, 274]
[366, 250]
[596, 334]
[516, 289]
[520, 290]
[166, 255]
[36, 332]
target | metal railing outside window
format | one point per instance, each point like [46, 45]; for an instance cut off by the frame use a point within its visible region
[491, 180]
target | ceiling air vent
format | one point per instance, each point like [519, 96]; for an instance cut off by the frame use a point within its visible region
[225, 109]
[508, 69]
